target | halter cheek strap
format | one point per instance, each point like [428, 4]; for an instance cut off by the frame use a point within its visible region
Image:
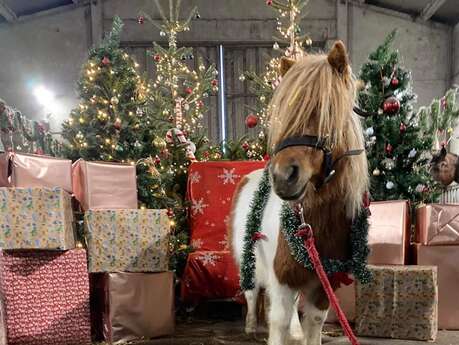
[328, 165]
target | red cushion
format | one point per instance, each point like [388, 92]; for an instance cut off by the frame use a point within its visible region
[210, 190]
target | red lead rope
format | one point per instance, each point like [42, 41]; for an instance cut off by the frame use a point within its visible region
[305, 232]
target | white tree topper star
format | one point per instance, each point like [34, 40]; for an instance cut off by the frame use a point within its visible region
[229, 176]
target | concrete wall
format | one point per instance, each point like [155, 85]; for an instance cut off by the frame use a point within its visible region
[455, 69]
[50, 49]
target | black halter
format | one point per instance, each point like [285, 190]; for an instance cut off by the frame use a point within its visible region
[328, 165]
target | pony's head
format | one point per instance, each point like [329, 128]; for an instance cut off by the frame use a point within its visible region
[314, 102]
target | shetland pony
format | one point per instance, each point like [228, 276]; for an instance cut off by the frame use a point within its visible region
[316, 98]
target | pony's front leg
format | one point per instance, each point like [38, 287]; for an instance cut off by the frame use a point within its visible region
[313, 322]
[251, 297]
[280, 312]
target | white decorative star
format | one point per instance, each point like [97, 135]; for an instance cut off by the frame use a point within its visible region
[208, 259]
[195, 177]
[198, 206]
[229, 176]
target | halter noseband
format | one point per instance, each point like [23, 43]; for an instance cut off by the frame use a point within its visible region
[328, 165]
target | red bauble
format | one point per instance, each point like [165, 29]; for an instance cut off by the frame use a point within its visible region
[140, 19]
[157, 160]
[105, 61]
[389, 148]
[170, 213]
[394, 82]
[214, 82]
[402, 128]
[245, 146]
[189, 90]
[251, 121]
[157, 57]
[199, 104]
[266, 157]
[117, 124]
[206, 154]
[391, 105]
[269, 2]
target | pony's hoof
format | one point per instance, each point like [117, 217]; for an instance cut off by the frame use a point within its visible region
[297, 335]
[250, 330]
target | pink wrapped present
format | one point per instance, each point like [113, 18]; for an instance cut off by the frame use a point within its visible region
[446, 259]
[389, 233]
[132, 306]
[46, 297]
[437, 224]
[29, 170]
[93, 185]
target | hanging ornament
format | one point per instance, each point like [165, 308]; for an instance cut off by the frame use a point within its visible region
[186, 106]
[369, 131]
[386, 81]
[388, 163]
[105, 61]
[269, 2]
[199, 104]
[394, 82]
[251, 120]
[376, 172]
[189, 90]
[157, 57]
[402, 128]
[114, 100]
[137, 144]
[276, 46]
[159, 143]
[389, 148]
[420, 188]
[412, 153]
[157, 160]
[214, 82]
[390, 185]
[380, 111]
[162, 33]
[140, 20]
[197, 15]
[170, 213]
[245, 146]
[119, 148]
[139, 112]
[391, 105]
[117, 124]
[261, 135]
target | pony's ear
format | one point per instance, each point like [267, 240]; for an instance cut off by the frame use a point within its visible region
[285, 65]
[443, 152]
[337, 57]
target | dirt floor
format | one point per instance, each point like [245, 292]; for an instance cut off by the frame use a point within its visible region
[231, 333]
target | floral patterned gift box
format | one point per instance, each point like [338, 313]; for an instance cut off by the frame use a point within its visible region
[36, 218]
[401, 302]
[127, 240]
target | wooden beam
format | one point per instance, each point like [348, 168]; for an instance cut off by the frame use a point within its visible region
[7, 12]
[430, 9]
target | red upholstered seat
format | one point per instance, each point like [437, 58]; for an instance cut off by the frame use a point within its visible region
[210, 272]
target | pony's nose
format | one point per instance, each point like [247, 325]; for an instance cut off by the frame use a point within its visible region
[286, 177]
[292, 174]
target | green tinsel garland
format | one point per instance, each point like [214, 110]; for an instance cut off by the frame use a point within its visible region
[290, 223]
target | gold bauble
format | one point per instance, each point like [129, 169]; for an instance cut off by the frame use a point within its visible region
[376, 172]
[159, 143]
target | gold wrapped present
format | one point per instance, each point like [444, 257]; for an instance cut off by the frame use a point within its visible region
[36, 218]
[401, 302]
[127, 240]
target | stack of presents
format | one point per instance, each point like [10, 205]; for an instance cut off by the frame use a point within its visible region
[52, 289]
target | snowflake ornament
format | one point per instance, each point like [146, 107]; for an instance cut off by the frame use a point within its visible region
[208, 259]
[197, 243]
[198, 206]
[228, 176]
[225, 242]
[195, 177]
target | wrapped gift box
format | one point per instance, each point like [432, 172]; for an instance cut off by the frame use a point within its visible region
[210, 275]
[389, 233]
[127, 240]
[210, 190]
[46, 297]
[28, 170]
[446, 258]
[437, 224]
[93, 185]
[401, 302]
[36, 218]
[130, 306]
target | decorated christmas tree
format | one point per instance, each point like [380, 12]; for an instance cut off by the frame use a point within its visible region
[177, 103]
[398, 143]
[18, 133]
[441, 117]
[110, 122]
[289, 42]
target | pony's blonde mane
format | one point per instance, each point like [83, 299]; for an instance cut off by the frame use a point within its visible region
[314, 99]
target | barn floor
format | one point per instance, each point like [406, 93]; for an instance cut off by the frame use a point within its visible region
[231, 333]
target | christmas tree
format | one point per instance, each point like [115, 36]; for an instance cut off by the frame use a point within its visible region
[441, 117]
[18, 133]
[289, 42]
[177, 102]
[398, 143]
[110, 122]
